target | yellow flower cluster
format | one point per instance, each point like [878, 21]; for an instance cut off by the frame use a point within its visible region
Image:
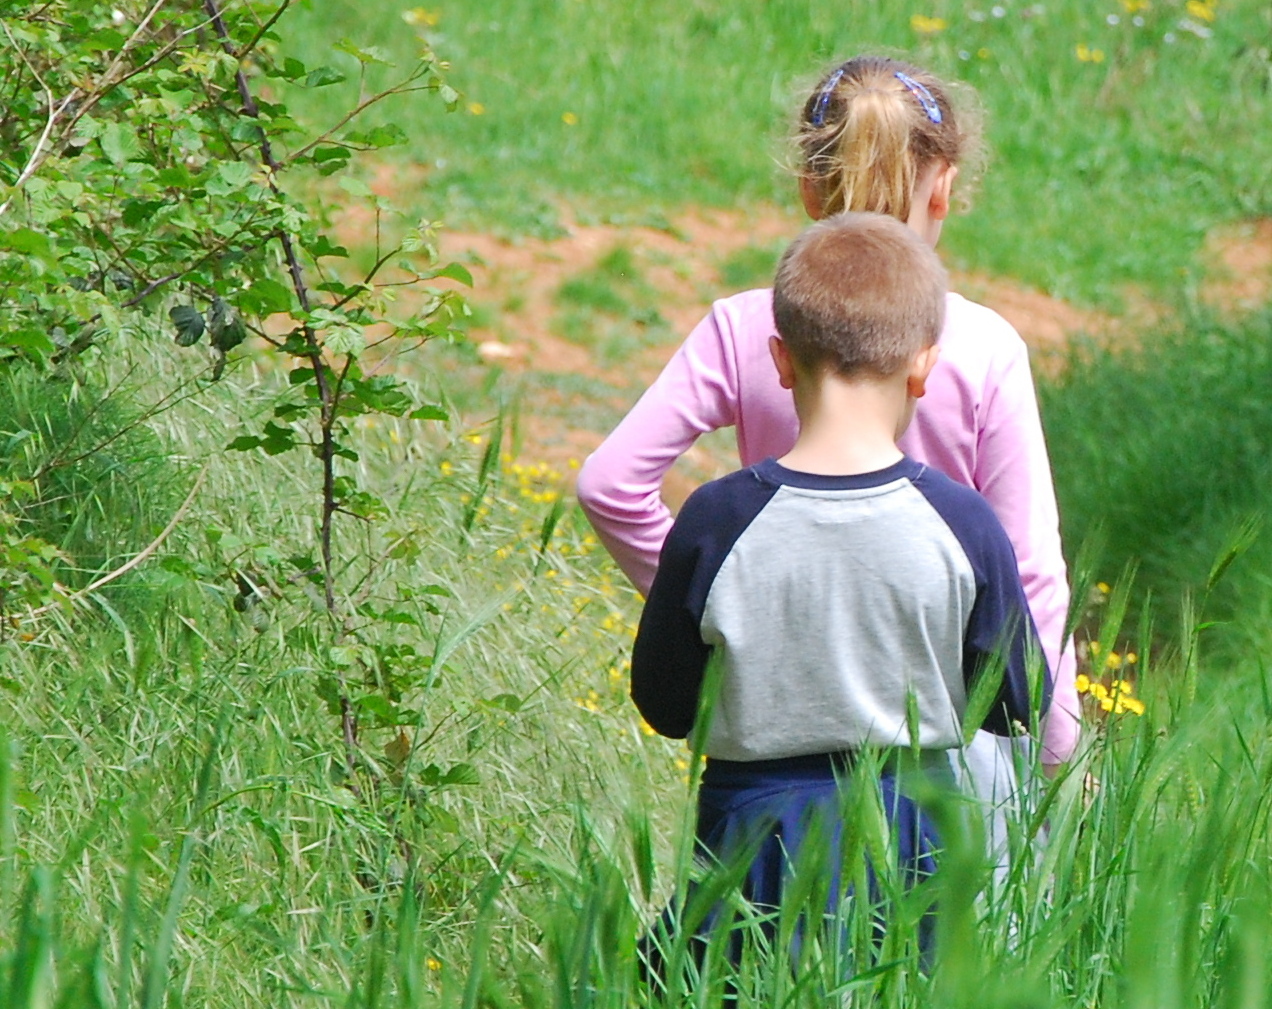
[539, 482]
[1114, 697]
[1202, 10]
[1136, 6]
[1088, 55]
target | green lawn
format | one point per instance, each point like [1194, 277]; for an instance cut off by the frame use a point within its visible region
[1114, 146]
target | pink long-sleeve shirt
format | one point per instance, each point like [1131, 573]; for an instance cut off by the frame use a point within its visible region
[978, 423]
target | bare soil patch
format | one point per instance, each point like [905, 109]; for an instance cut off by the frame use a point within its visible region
[518, 286]
[1239, 258]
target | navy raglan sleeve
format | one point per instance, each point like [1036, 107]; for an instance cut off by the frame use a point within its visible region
[1000, 626]
[1001, 629]
[670, 656]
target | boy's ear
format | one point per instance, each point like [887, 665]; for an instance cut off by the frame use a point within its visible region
[920, 368]
[782, 359]
[942, 188]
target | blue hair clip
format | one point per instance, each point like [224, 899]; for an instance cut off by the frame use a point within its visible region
[922, 95]
[818, 116]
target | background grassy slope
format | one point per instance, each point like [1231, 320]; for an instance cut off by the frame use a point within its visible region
[1104, 173]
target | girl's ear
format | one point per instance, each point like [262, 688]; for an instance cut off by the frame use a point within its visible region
[942, 187]
[810, 195]
[782, 359]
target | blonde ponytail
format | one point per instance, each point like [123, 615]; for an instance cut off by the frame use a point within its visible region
[870, 129]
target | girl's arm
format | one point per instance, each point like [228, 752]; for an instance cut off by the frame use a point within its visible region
[619, 484]
[1013, 473]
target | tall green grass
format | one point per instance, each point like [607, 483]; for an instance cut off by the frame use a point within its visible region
[188, 841]
[1162, 450]
[1104, 174]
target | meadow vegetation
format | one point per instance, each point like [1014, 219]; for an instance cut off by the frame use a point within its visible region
[1119, 132]
[409, 775]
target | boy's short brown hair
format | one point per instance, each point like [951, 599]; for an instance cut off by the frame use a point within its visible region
[859, 293]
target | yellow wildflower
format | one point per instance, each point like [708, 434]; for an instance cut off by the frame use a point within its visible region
[1113, 660]
[1133, 705]
[1093, 647]
[1132, 658]
[1203, 11]
[433, 964]
[569, 118]
[1100, 692]
[421, 17]
[1083, 683]
[925, 25]
[476, 109]
[1088, 55]
[1135, 6]
[1106, 703]
[1102, 586]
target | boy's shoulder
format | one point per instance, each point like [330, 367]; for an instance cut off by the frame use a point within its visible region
[739, 495]
[968, 515]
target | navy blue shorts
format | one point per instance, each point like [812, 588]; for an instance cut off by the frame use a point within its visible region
[758, 819]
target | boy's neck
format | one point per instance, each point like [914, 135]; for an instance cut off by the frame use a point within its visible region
[848, 426]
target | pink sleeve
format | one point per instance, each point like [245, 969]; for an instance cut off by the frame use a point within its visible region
[619, 484]
[1014, 475]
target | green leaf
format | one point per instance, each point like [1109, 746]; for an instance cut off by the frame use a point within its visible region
[230, 177]
[265, 297]
[119, 144]
[429, 412]
[371, 54]
[138, 211]
[344, 340]
[455, 271]
[225, 328]
[25, 240]
[189, 323]
[460, 774]
[382, 394]
[510, 703]
[323, 76]
[34, 341]
[107, 39]
[388, 135]
[277, 439]
[244, 443]
[330, 159]
[377, 705]
[175, 177]
[355, 187]
[321, 246]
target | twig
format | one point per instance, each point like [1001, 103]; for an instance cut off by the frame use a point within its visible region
[263, 29]
[55, 109]
[139, 559]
